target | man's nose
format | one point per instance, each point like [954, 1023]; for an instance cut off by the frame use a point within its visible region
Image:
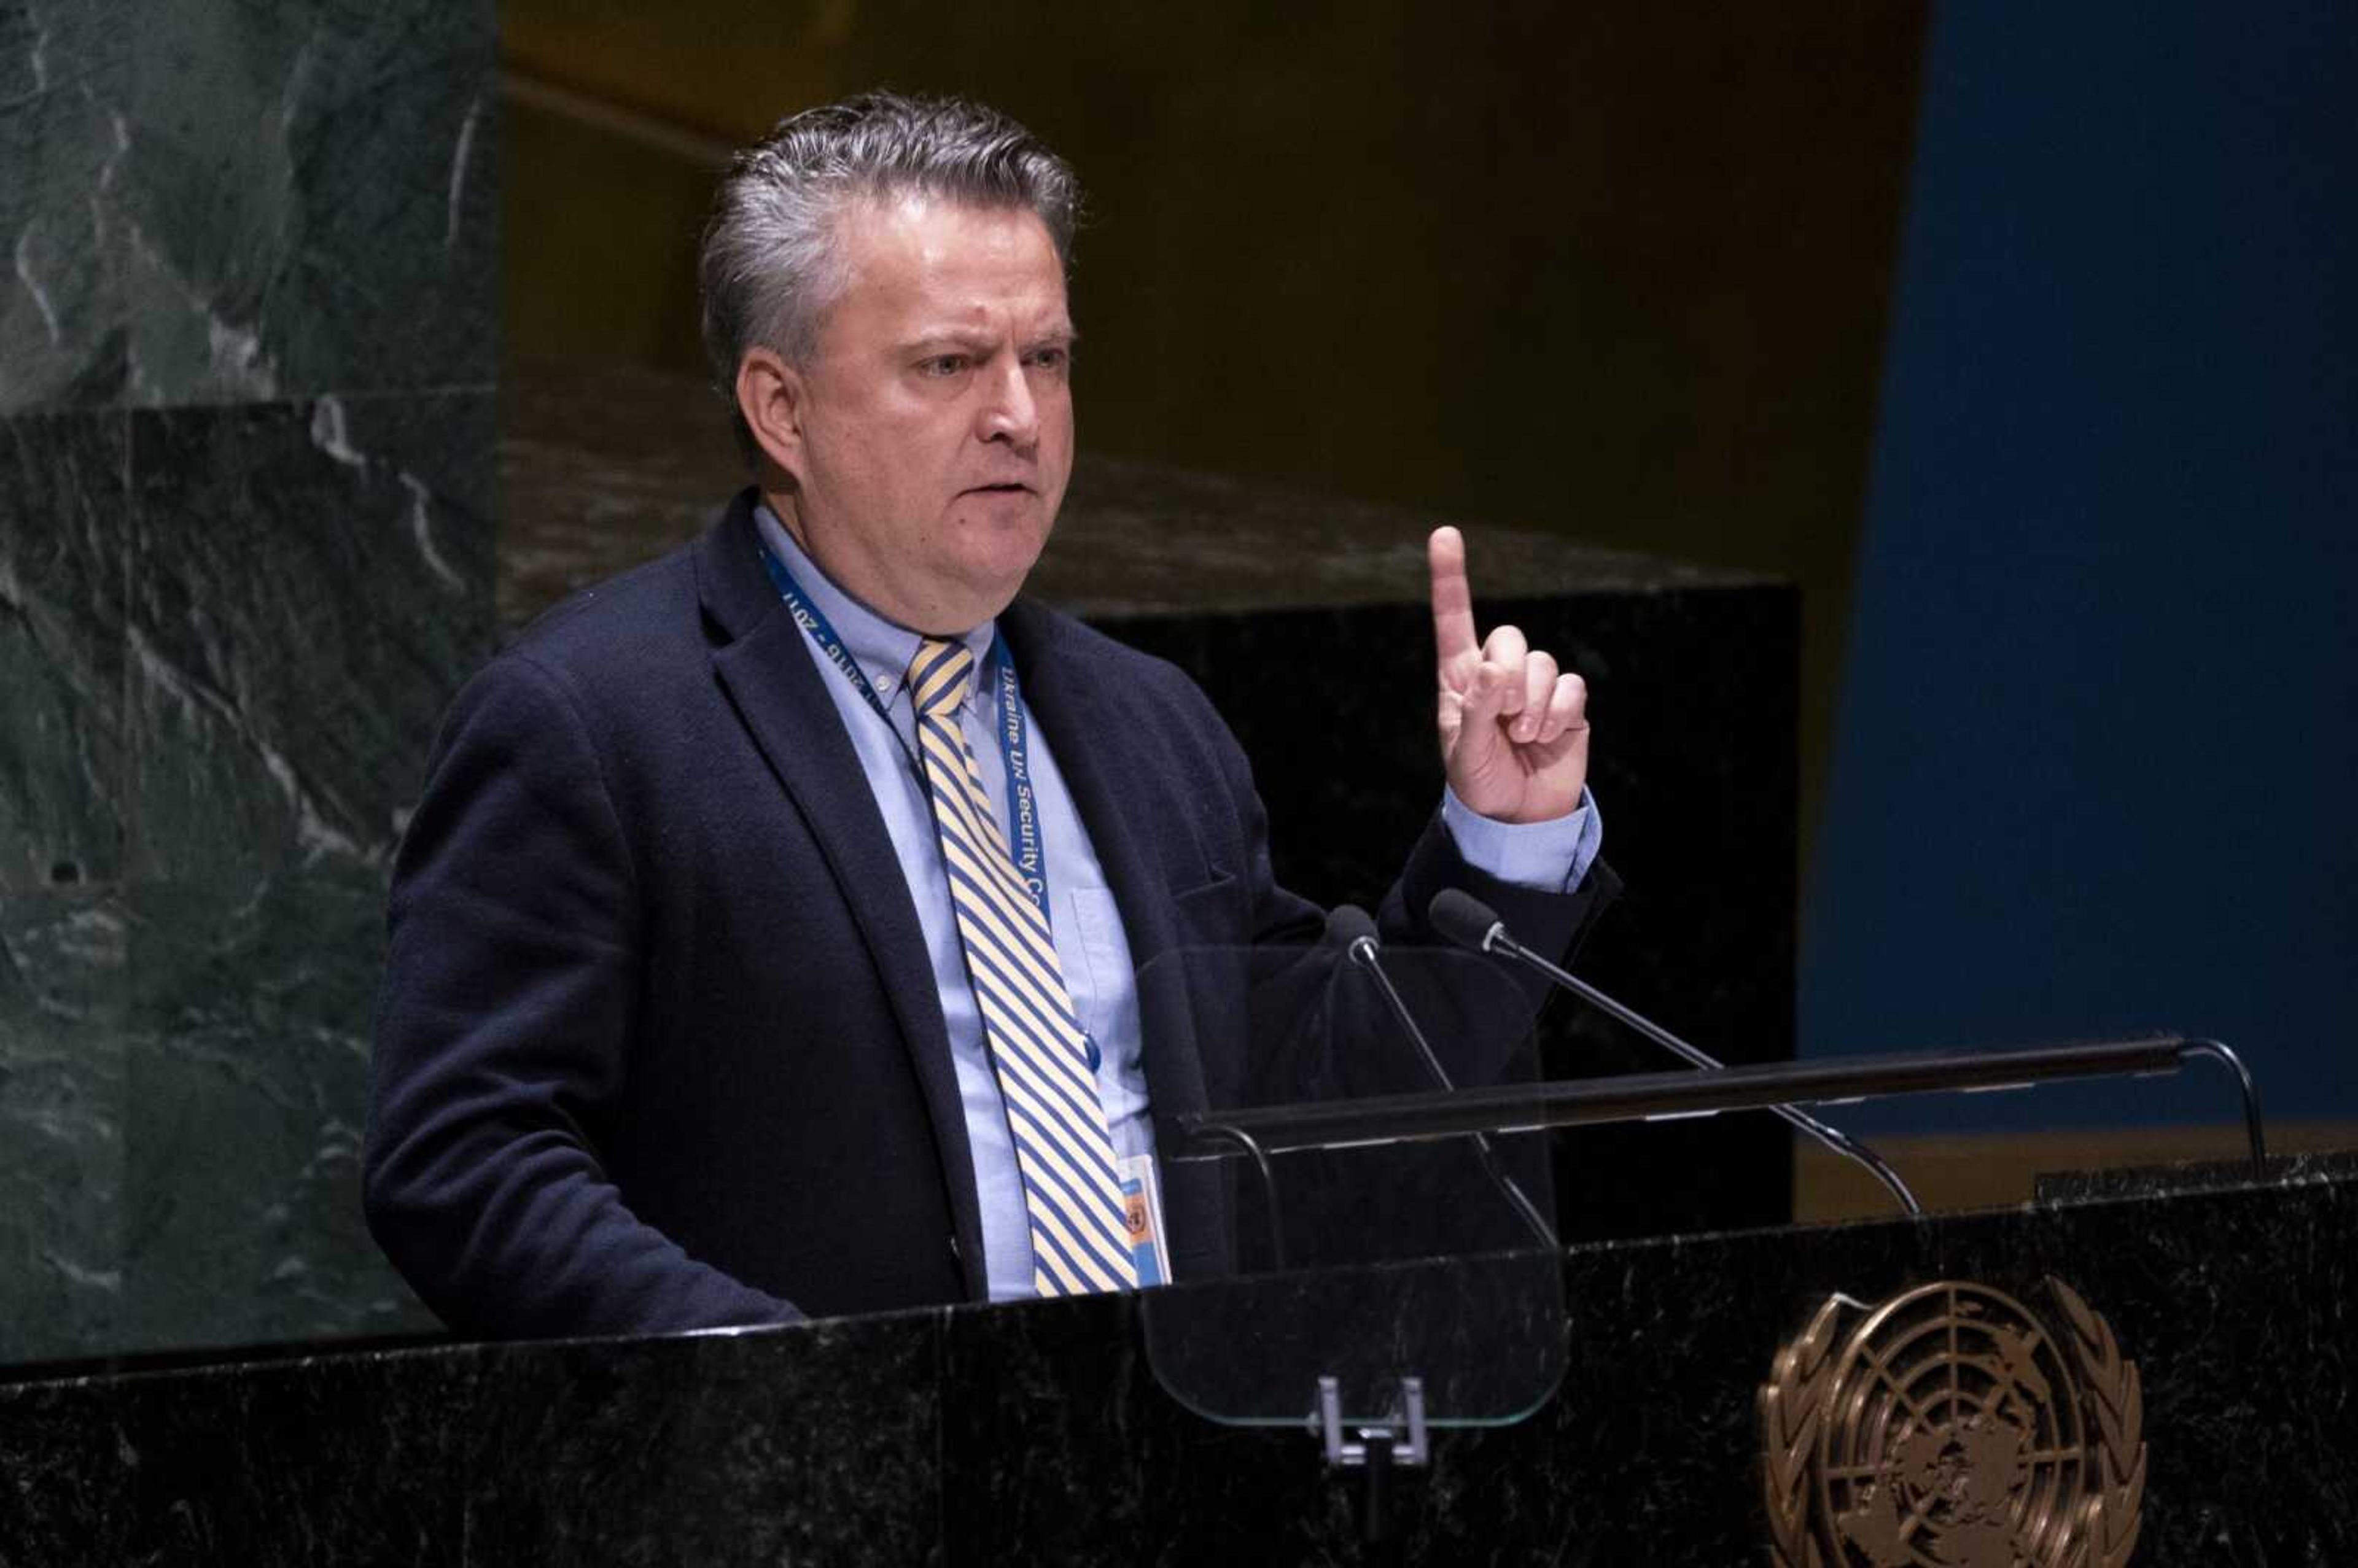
[1010, 412]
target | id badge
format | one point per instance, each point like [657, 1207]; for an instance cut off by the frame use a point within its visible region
[1142, 1198]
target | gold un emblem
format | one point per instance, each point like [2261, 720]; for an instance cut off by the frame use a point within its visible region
[1953, 1428]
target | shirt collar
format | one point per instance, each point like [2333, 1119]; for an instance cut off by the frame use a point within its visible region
[884, 648]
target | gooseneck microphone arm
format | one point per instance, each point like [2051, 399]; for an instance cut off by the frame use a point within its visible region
[1357, 930]
[1468, 922]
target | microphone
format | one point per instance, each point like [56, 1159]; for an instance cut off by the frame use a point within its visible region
[1468, 922]
[1355, 931]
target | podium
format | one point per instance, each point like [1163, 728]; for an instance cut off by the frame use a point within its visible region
[1041, 1431]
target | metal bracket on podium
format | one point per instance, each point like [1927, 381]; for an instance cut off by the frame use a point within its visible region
[1393, 1445]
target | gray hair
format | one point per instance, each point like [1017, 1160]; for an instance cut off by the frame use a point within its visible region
[771, 266]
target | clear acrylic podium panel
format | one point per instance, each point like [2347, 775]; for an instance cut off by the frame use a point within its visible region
[1384, 1262]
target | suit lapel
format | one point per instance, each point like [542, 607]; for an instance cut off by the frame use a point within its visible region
[778, 693]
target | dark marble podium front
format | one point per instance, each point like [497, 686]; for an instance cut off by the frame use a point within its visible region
[1038, 1433]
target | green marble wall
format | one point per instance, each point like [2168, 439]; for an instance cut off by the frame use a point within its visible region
[246, 532]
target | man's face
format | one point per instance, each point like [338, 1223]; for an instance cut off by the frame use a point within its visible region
[936, 414]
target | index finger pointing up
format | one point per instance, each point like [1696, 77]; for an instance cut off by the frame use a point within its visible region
[1452, 596]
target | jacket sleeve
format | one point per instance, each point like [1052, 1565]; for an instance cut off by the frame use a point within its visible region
[510, 992]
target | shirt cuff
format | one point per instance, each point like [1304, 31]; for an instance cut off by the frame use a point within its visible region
[1547, 856]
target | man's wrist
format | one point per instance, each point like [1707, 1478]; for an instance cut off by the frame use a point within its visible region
[1549, 857]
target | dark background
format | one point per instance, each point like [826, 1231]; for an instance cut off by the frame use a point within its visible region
[2099, 719]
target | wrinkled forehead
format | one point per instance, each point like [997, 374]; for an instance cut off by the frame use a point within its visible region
[913, 254]
[915, 229]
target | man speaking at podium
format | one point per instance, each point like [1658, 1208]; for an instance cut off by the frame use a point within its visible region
[767, 940]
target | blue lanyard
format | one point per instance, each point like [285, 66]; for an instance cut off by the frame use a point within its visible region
[1025, 847]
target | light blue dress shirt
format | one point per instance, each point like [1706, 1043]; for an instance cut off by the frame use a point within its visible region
[1090, 945]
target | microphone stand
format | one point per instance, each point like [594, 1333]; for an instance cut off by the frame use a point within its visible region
[1466, 920]
[1362, 952]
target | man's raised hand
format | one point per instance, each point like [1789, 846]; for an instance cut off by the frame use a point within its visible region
[1514, 732]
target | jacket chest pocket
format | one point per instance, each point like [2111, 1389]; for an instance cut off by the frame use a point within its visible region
[1212, 913]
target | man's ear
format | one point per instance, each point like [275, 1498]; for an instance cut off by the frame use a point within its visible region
[775, 400]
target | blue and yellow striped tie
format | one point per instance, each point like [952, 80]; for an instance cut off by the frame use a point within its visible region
[1072, 1192]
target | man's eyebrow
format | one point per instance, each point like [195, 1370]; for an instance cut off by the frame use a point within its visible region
[946, 337]
[1063, 332]
[1061, 336]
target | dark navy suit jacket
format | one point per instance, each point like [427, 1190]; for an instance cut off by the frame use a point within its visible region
[659, 1047]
